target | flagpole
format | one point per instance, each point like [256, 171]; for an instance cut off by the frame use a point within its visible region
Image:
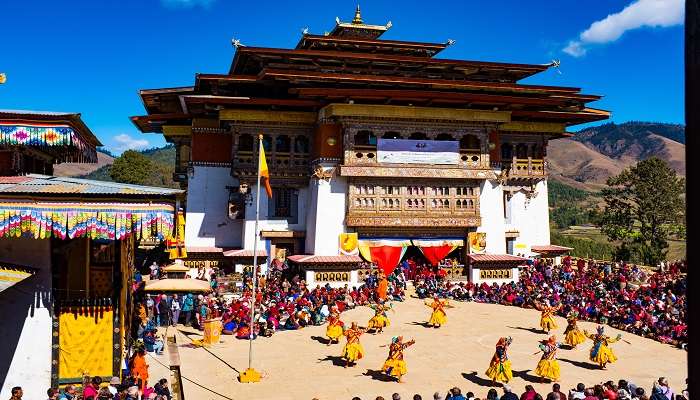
[250, 375]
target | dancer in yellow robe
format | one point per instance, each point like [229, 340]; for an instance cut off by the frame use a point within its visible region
[500, 370]
[547, 318]
[601, 353]
[353, 350]
[548, 367]
[395, 366]
[572, 335]
[380, 320]
[438, 318]
[334, 330]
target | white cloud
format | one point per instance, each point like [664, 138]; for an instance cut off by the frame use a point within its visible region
[125, 142]
[186, 3]
[639, 14]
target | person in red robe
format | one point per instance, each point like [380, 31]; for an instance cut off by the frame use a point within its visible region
[382, 287]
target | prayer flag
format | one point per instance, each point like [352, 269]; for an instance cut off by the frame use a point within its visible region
[264, 171]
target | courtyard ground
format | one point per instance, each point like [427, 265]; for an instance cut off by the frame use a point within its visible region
[299, 365]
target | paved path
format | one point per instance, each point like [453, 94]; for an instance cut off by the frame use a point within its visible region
[296, 365]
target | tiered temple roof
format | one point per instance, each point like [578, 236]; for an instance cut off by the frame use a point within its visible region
[351, 64]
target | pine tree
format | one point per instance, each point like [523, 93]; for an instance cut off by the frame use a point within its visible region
[644, 207]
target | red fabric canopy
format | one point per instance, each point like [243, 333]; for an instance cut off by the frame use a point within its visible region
[435, 254]
[386, 257]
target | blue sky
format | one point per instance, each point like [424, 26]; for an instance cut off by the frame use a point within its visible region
[93, 56]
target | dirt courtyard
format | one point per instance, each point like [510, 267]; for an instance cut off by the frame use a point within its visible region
[299, 365]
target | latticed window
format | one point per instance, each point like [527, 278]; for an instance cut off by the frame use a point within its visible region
[284, 204]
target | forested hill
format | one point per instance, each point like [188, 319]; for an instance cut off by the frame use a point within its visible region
[161, 167]
[594, 154]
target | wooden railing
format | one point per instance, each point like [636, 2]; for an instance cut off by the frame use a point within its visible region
[524, 167]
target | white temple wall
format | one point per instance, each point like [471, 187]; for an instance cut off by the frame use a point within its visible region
[492, 220]
[328, 200]
[207, 221]
[275, 224]
[531, 218]
[25, 356]
[539, 207]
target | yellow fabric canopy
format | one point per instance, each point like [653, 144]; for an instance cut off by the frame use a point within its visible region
[178, 285]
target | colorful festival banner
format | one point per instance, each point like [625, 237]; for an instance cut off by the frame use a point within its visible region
[112, 221]
[406, 151]
[175, 246]
[477, 242]
[45, 136]
[348, 244]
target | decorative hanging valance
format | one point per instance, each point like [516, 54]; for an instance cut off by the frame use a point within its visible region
[386, 253]
[41, 135]
[113, 221]
[435, 250]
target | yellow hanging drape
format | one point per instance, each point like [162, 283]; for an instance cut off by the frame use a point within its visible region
[85, 344]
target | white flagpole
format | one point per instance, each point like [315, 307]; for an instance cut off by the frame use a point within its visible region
[255, 259]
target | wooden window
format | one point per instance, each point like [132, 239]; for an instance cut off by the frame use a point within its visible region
[284, 204]
[365, 138]
[301, 145]
[470, 142]
[282, 144]
[245, 143]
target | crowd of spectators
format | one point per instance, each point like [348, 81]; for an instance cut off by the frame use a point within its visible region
[649, 304]
[283, 302]
[622, 390]
[115, 389]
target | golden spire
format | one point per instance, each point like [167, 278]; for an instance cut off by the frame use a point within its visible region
[358, 18]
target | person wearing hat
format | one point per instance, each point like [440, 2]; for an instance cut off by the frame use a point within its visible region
[572, 335]
[438, 317]
[601, 353]
[395, 366]
[380, 320]
[548, 366]
[113, 383]
[353, 350]
[547, 317]
[500, 370]
[335, 326]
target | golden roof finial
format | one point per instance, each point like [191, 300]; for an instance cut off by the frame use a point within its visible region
[358, 18]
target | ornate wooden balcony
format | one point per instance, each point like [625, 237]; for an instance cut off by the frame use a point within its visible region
[524, 167]
[386, 203]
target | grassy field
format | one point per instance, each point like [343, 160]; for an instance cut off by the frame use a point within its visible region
[676, 250]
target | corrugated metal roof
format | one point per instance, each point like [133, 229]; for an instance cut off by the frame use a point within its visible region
[44, 184]
[32, 112]
[485, 258]
[312, 259]
[244, 253]
[551, 248]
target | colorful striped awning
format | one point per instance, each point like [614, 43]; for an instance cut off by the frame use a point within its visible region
[11, 274]
[96, 220]
[48, 135]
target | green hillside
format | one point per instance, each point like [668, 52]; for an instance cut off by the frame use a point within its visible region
[161, 167]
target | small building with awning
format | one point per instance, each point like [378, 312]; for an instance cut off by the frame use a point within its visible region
[67, 254]
[494, 268]
[337, 271]
[75, 241]
[552, 251]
